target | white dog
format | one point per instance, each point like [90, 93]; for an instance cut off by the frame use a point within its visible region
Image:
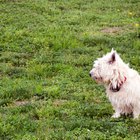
[121, 82]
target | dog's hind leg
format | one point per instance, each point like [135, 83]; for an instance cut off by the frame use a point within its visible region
[136, 113]
[136, 110]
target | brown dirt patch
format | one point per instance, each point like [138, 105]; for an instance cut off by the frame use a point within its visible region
[112, 30]
[21, 103]
[58, 102]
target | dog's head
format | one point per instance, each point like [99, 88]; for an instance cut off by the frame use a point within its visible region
[108, 70]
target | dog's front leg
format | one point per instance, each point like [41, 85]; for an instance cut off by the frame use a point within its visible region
[117, 113]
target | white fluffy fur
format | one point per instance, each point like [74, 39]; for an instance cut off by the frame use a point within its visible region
[112, 72]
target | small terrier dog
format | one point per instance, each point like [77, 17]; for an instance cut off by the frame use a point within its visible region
[121, 82]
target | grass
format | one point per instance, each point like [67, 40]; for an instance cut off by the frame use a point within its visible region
[46, 52]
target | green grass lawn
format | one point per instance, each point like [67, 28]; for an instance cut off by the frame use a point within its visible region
[47, 48]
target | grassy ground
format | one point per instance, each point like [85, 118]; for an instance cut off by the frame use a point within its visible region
[46, 52]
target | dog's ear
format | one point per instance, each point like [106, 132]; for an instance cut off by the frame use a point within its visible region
[113, 58]
[112, 50]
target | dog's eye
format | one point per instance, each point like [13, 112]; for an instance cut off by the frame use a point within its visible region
[110, 62]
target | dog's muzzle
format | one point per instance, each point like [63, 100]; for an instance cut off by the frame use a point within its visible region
[93, 76]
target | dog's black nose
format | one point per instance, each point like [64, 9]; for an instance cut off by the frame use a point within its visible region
[90, 74]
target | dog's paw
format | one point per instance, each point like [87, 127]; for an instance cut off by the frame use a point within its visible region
[116, 115]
